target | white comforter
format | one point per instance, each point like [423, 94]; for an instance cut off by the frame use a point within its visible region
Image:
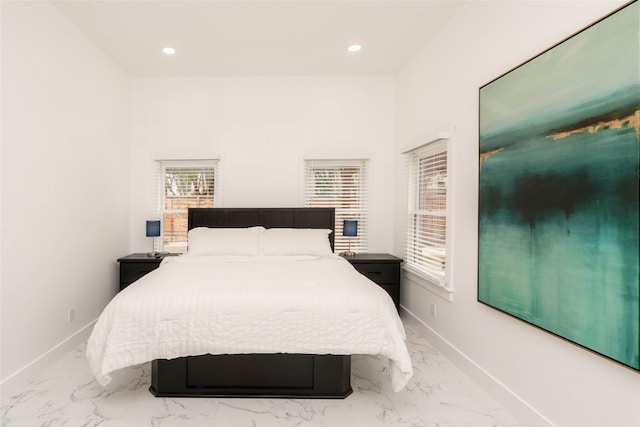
[195, 305]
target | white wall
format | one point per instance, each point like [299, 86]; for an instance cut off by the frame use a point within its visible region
[438, 90]
[65, 177]
[262, 128]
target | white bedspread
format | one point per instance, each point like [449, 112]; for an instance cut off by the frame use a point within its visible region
[195, 305]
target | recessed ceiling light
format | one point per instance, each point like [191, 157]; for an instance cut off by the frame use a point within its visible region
[354, 48]
[169, 50]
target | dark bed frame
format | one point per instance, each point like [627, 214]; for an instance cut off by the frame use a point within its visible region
[256, 375]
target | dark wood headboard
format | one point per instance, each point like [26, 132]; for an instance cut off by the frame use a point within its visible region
[266, 217]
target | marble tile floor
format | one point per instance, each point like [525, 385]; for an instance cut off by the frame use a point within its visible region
[438, 395]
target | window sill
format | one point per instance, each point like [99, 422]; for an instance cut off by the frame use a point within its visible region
[444, 292]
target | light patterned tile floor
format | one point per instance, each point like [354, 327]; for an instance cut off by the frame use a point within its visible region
[438, 395]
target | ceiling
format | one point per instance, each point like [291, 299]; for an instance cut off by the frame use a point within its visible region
[260, 37]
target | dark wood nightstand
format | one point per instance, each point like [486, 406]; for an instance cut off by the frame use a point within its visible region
[383, 269]
[134, 266]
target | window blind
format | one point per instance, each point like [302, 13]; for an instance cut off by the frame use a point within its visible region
[426, 240]
[182, 184]
[343, 185]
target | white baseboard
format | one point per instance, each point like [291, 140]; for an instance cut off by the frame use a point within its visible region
[511, 401]
[21, 378]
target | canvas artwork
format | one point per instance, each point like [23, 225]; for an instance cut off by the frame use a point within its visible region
[558, 191]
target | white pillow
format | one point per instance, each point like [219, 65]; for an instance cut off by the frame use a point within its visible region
[296, 241]
[225, 241]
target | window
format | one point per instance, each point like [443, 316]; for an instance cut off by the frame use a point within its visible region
[426, 243]
[341, 184]
[182, 184]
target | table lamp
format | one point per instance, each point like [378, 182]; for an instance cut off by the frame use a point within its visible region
[153, 230]
[349, 229]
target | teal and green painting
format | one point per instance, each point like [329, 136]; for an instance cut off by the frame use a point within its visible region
[559, 184]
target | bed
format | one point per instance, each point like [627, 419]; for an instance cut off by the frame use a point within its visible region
[211, 328]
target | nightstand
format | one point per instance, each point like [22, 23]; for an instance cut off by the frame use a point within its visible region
[383, 269]
[134, 266]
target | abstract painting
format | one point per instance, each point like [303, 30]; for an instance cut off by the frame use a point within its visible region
[558, 189]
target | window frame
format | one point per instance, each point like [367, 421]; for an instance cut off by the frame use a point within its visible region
[360, 243]
[424, 272]
[161, 166]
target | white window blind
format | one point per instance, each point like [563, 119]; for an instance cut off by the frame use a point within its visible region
[343, 185]
[426, 241]
[182, 184]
